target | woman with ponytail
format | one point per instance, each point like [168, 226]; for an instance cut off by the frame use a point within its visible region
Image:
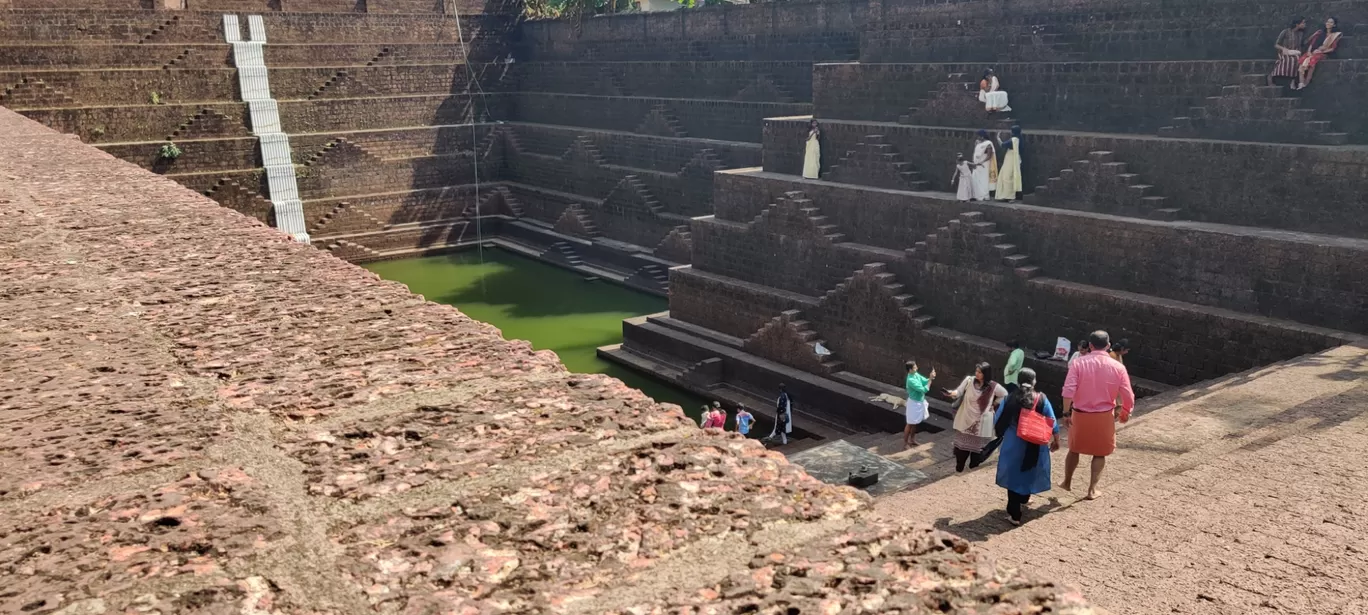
[1023, 468]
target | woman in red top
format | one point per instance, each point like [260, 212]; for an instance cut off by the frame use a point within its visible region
[1322, 43]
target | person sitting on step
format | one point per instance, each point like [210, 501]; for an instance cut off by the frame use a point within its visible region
[993, 98]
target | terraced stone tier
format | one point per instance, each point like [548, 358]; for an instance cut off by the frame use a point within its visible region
[38, 56]
[1293, 187]
[75, 26]
[1298, 277]
[823, 244]
[724, 120]
[730, 80]
[1106, 30]
[468, 478]
[1115, 97]
[800, 31]
[676, 173]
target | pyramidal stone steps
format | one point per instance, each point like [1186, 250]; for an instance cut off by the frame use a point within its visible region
[1101, 183]
[1253, 100]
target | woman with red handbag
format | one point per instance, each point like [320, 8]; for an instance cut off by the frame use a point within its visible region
[1026, 423]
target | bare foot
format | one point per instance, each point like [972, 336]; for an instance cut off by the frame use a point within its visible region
[1066, 485]
[1015, 522]
[1093, 495]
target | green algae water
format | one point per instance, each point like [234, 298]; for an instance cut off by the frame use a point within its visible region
[552, 308]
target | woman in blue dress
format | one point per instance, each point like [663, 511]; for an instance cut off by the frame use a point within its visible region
[1023, 468]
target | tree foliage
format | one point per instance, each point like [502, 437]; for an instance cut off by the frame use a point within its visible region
[575, 9]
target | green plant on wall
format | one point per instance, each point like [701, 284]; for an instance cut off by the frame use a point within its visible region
[155, 97]
[169, 151]
[575, 9]
[692, 4]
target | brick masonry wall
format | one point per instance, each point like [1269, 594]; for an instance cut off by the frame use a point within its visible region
[708, 119]
[677, 173]
[144, 27]
[141, 123]
[1313, 189]
[1315, 280]
[295, 83]
[90, 88]
[871, 328]
[983, 31]
[1130, 97]
[756, 81]
[372, 213]
[111, 55]
[380, 54]
[772, 31]
[304, 116]
[637, 151]
[197, 155]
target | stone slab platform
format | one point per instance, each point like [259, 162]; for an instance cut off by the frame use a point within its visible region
[1233, 496]
[833, 463]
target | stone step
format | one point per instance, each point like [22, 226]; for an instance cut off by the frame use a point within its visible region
[1333, 138]
[1301, 115]
[1252, 91]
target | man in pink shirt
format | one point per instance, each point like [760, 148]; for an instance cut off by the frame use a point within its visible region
[1097, 392]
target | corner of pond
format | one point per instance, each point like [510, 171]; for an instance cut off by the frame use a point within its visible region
[552, 308]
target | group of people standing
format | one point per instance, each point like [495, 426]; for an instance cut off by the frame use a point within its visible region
[983, 177]
[1298, 55]
[715, 417]
[990, 416]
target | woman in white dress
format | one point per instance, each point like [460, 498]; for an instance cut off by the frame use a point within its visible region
[976, 399]
[963, 178]
[990, 94]
[812, 159]
[984, 168]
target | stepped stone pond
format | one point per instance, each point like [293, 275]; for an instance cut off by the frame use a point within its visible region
[552, 308]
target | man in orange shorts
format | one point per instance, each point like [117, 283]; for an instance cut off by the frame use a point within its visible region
[1091, 408]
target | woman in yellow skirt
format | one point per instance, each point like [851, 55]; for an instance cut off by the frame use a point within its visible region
[1009, 173]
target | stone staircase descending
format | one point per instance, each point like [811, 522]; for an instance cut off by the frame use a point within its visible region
[1100, 183]
[1253, 108]
[661, 123]
[344, 218]
[180, 58]
[380, 56]
[563, 252]
[874, 162]
[639, 192]
[207, 124]
[765, 88]
[791, 337]
[895, 290]
[954, 101]
[352, 252]
[951, 92]
[1039, 44]
[677, 246]
[970, 234]
[233, 195]
[576, 222]
[812, 215]
[31, 91]
[187, 29]
[337, 80]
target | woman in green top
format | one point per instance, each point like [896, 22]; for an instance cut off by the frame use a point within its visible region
[1015, 361]
[917, 386]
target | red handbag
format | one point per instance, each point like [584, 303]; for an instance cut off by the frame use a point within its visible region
[1034, 427]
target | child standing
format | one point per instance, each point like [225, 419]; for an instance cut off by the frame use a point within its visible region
[744, 420]
[963, 179]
